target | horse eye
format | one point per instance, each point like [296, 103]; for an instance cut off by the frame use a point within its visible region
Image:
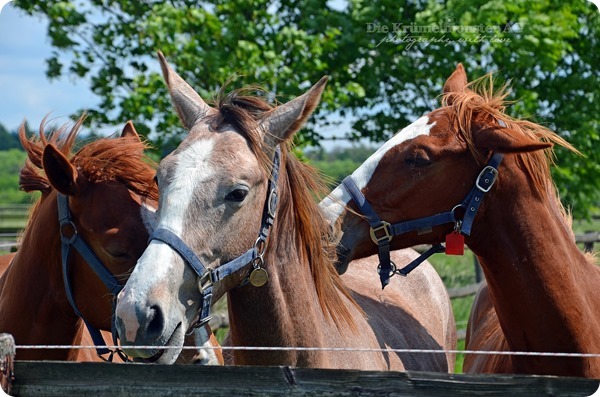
[237, 195]
[418, 161]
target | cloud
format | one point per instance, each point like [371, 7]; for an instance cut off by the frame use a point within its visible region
[3, 3]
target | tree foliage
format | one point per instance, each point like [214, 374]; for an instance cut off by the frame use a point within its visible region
[8, 140]
[11, 162]
[387, 60]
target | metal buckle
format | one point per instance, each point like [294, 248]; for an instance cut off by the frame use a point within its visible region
[385, 226]
[272, 203]
[494, 172]
[206, 280]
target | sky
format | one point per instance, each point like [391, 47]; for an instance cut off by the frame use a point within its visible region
[26, 92]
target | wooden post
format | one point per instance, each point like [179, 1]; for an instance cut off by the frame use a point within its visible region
[7, 358]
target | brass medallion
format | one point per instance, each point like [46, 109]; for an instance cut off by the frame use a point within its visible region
[259, 277]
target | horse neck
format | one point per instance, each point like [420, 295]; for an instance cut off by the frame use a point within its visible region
[540, 283]
[33, 303]
[283, 312]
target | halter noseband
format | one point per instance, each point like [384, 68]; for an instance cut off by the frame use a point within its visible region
[382, 232]
[207, 277]
[112, 284]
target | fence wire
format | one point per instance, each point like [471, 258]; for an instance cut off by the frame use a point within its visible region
[333, 349]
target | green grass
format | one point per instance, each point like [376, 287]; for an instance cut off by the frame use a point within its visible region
[457, 271]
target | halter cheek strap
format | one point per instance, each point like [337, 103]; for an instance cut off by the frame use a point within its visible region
[207, 277]
[382, 232]
[112, 284]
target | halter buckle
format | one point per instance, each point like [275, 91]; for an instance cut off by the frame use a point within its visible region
[488, 184]
[272, 203]
[205, 281]
[385, 227]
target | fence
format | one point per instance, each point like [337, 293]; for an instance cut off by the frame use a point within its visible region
[53, 379]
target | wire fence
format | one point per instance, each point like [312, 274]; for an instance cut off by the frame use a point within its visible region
[329, 349]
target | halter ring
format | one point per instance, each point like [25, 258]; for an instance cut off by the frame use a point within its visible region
[75, 232]
[260, 245]
[393, 269]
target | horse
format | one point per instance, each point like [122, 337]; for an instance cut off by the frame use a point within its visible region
[469, 171]
[111, 195]
[232, 179]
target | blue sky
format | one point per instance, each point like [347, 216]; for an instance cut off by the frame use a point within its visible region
[25, 90]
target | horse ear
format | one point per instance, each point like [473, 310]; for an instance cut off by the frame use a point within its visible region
[188, 104]
[129, 131]
[61, 174]
[505, 140]
[457, 82]
[284, 121]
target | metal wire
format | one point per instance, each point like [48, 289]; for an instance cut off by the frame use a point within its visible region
[334, 349]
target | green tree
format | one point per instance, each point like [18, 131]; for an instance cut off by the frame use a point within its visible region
[8, 140]
[11, 162]
[387, 60]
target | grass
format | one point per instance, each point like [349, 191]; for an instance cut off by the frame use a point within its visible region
[457, 271]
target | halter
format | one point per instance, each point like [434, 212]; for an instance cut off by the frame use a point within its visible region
[254, 256]
[112, 284]
[382, 232]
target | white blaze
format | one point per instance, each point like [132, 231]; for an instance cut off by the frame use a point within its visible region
[156, 263]
[335, 204]
[193, 168]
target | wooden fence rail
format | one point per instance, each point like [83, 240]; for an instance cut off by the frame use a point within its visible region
[53, 379]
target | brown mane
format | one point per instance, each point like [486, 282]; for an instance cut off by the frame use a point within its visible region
[105, 159]
[480, 98]
[299, 183]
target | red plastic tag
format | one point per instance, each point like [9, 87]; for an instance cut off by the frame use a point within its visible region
[455, 244]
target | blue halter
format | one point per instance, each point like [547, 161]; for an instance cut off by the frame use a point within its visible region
[112, 284]
[254, 256]
[382, 232]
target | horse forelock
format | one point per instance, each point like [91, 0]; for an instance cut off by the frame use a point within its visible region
[299, 184]
[31, 176]
[120, 160]
[105, 159]
[480, 101]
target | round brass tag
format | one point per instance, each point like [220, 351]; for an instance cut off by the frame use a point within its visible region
[259, 277]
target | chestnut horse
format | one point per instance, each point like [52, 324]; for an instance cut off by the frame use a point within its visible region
[230, 182]
[110, 188]
[541, 293]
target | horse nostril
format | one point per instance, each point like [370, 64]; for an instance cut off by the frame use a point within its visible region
[156, 321]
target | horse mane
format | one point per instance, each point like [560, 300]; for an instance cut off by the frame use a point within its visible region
[119, 159]
[481, 99]
[299, 185]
